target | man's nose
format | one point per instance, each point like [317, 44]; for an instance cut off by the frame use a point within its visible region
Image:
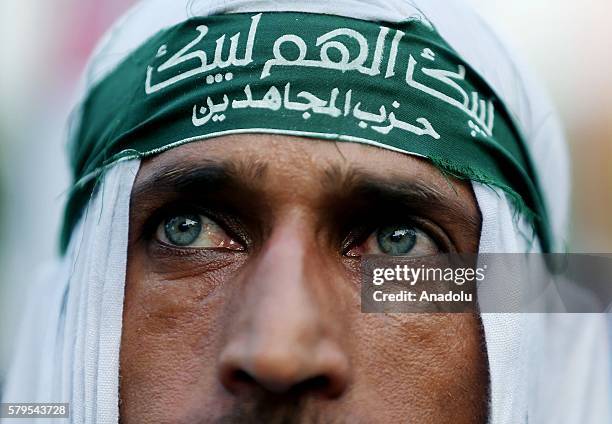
[283, 337]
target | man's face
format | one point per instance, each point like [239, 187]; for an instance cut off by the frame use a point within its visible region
[242, 299]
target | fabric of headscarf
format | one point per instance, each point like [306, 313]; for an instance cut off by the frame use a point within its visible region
[544, 368]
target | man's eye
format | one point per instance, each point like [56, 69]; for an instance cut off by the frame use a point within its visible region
[397, 240]
[195, 231]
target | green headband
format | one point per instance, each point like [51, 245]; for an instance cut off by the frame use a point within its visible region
[397, 86]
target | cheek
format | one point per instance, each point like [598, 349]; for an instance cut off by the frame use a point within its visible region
[172, 322]
[426, 367]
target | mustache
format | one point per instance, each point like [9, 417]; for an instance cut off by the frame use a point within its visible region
[271, 409]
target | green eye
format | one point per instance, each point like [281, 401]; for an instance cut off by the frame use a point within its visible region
[194, 231]
[183, 230]
[396, 240]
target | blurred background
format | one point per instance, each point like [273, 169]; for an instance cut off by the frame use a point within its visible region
[45, 45]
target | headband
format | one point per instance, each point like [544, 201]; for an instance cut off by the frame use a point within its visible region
[397, 86]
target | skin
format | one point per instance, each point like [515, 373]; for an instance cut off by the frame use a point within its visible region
[265, 325]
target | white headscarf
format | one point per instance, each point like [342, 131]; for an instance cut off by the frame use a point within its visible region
[544, 368]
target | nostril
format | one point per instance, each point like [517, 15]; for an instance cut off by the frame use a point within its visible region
[236, 380]
[319, 384]
[325, 373]
[330, 385]
[240, 376]
[240, 381]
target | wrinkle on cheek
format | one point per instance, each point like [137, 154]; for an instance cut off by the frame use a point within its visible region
[175, 286]
[168, 262]
[182, 307]
[164, 306]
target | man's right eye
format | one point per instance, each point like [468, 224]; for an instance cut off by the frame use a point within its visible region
[194, 231]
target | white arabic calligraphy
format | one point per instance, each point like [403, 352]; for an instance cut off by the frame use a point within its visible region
[272, 100]
[218, 63]
[325, 42]
[213, 109]
[484, 118]
[333, 44]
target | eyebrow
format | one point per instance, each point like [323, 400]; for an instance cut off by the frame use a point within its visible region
[389, 190]
[205, 176]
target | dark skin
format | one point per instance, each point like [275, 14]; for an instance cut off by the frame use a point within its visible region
[242, 295]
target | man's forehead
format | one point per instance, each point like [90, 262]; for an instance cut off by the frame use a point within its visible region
[258, 157]
[273, 170]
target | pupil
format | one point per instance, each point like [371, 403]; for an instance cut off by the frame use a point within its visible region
[396, 240]
[185, 226]
[398, 235]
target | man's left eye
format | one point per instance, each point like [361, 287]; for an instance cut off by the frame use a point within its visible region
[194, 231]
[397, 240]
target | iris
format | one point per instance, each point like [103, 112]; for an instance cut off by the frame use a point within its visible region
[182, 230]
[396, 240]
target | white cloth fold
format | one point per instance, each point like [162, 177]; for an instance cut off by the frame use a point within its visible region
[68, 350]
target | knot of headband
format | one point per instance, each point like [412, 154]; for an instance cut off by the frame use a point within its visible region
[396, 86]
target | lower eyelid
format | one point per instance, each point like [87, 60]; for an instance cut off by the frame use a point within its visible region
[162, 249]
[168, 260]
